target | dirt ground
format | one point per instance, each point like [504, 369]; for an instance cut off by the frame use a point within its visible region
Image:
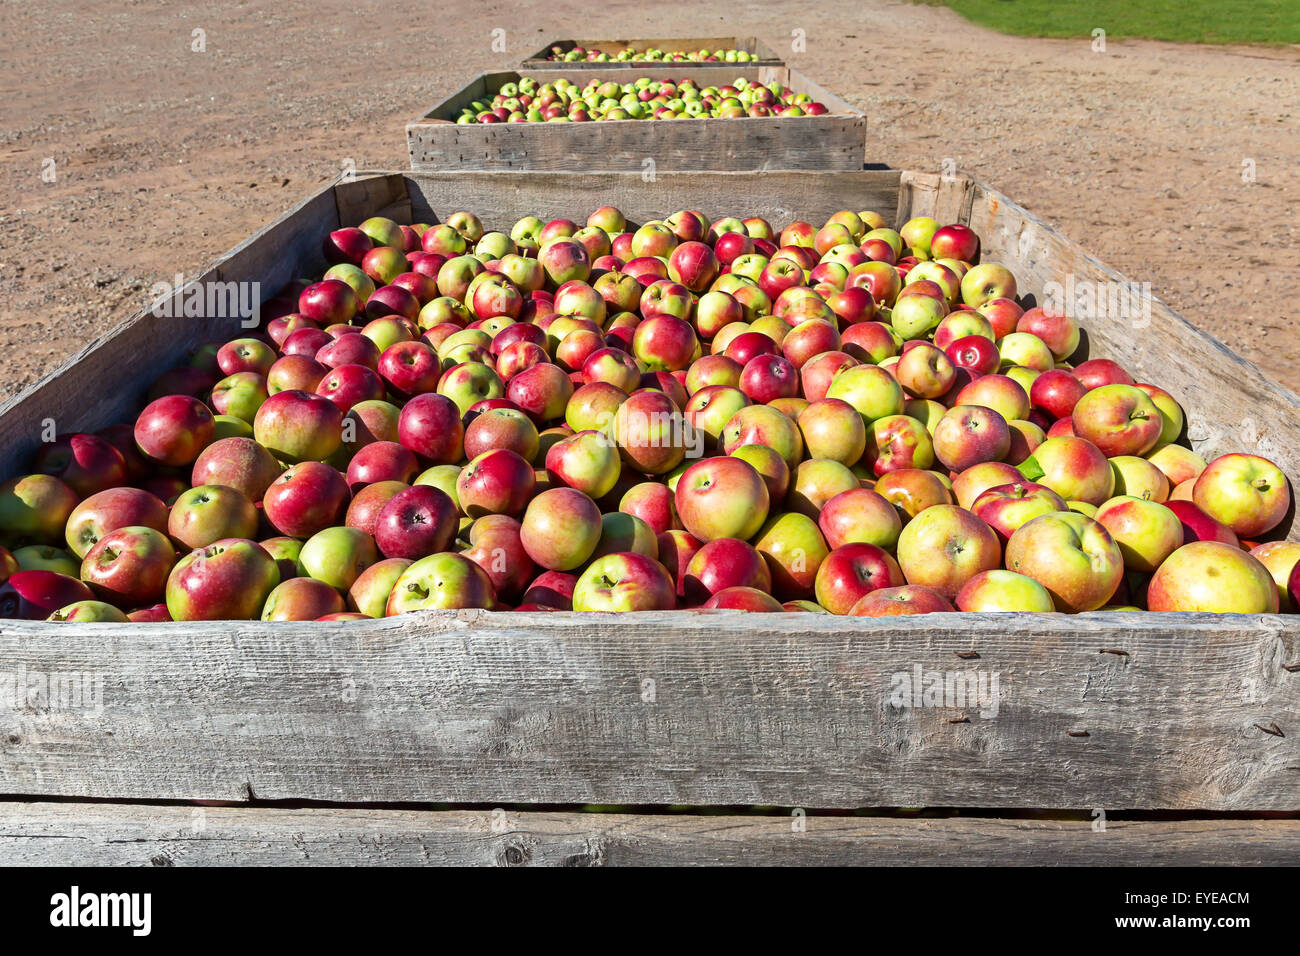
[163, 156]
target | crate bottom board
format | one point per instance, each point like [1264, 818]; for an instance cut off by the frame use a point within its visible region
[106, 834]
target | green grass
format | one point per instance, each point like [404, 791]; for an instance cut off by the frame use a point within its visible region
[1180, 21]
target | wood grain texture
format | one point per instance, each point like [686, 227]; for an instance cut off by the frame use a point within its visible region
[765, 55]
[502, 198]
[71, 834]
[834, 141]
[677, 708]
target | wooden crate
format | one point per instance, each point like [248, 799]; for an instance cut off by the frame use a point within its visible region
[541, 714]
[763, 55]
[834, 141]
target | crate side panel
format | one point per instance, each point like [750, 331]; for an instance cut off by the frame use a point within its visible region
[1119, 711]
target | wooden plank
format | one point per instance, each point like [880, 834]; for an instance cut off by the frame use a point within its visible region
[763, 53]
[835, 141]
[502, 198]
[78, 834]
[1119, 711]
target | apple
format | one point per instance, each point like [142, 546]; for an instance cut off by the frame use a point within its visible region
[906, 600]
[35, 595]
[624, 582]
[333, 301]
[89, 612]
[694, 264]
[442, 581]
[925, 371]
[1096, 373]
[794, 548]
[301, 599]
[743, 599]
[1005, 508]
[553, 589]
[1139, 478]
[172, 430]
[915, 316]
[305, 499]
[912, 490]
[346, 245]
[1176, 463]
[1118, 419]
[1145, 531]
[664, 342]
[871, 390]
[1072, 467]
[36, 508]
[297, 426]
[1215, 578]
[1247, 493]
[365, 506]
[985, 282]
[721, 498]
[541, 392]
[1199, 526]
[1025, 351]
[587, 461]
[999, 590]
[129, 567]
[1073, 556]
[1057, 392]
[944, 546]
[970, 434]
[238, 463]
[227, 580]
[337, 556]
[496, 482]
[954, 242]
[650, 432]
[852, 571]
[1057, 331]
[832, 428]
[961, 324]
[496, 547]
[209, 513]
[724, 563]
[415, 522]
[351, 348]
[85, 463]
[560, 529]
[999, 392]
[766, 378]
[430, 425]
[369, 593]
[109, 510]
[763, 425]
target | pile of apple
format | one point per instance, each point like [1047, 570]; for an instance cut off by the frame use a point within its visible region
[529, 101]
[606, 417]
[651, 55]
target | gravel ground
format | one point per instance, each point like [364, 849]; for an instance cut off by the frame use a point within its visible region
[163, 156]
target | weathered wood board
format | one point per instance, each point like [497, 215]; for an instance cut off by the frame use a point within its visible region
[80, 834]
[834, 141]
[1118, 711]
[763, 54]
